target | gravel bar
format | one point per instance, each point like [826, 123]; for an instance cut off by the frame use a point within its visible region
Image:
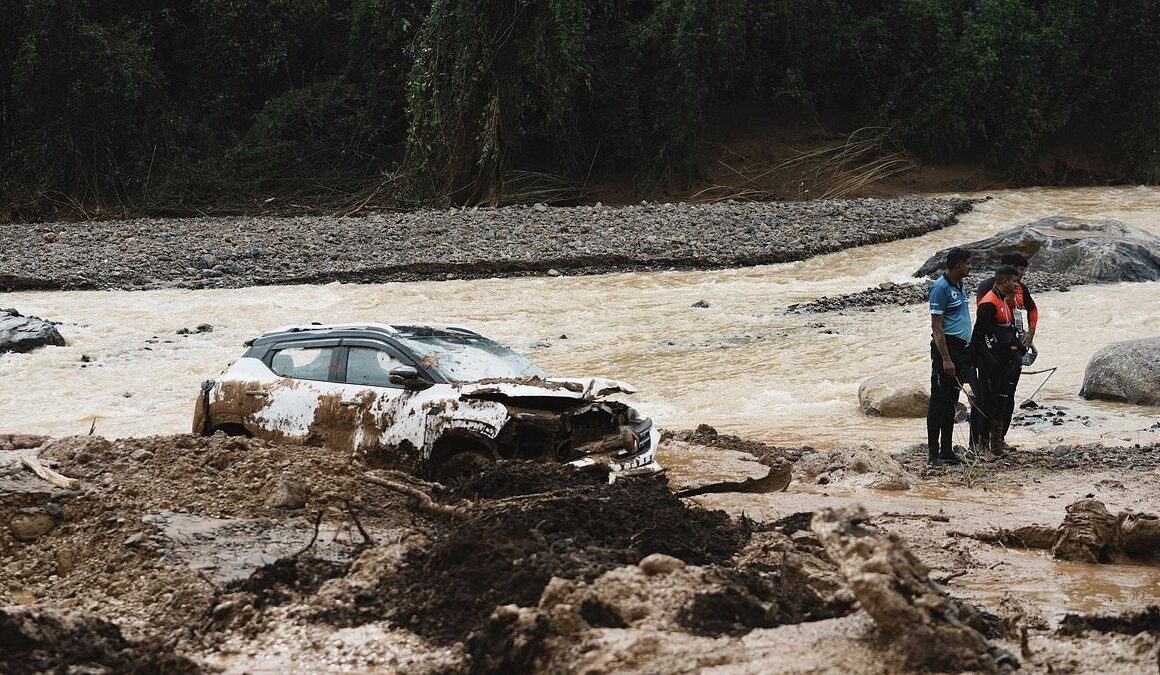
[890, 293]
[457, 243]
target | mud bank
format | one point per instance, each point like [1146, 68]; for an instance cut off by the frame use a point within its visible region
[204, 553]
[469, 243]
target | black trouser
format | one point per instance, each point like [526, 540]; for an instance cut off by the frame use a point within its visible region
[1009, 403]
[944, 394]
[994, 399]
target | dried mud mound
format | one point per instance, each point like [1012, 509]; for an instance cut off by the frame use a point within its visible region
[770, 455]
[773, 581]
[161, 523]
[287, 579]
[507, 553]
[40, 640]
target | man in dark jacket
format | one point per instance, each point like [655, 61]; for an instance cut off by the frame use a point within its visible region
[996, 347]
[1026, 316]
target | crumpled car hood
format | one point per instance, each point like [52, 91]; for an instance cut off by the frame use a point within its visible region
[581, 388]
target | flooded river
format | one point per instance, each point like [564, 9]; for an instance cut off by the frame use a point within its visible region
[741, 364]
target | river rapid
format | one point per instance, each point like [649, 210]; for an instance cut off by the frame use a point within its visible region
[740, 364]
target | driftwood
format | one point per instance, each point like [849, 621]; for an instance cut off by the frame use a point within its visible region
[1089, 533]
[933, 630]
[777, 480]
[426, 504]
[48, 474]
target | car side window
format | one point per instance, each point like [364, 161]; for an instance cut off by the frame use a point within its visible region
[303, 363]
[369, 366]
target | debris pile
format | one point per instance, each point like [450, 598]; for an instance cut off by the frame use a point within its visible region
[1089, 533]
[932, 629]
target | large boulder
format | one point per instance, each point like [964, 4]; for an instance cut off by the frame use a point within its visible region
[20, 333]
[890, 396]
[1125, 371]
[1095, 250]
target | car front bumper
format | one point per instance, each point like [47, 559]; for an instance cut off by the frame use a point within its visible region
[642, 463]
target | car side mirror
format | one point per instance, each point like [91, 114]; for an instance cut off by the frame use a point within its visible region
[408, 377]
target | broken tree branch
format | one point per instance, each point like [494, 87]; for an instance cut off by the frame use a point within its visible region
[48, 474]
[367, 541]
[425, 502]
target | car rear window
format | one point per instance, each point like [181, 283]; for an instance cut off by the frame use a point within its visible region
[304, 363]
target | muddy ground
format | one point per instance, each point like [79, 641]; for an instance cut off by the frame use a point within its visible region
[186, 554]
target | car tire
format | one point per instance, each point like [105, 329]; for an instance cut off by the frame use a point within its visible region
[461, 466]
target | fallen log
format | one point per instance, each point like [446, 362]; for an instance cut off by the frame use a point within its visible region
[48, 474]
[777, 480]
[1089, 533]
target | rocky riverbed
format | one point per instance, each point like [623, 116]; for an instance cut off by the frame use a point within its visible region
[468, 243]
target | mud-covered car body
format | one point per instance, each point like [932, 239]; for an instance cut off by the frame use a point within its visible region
[422, 395]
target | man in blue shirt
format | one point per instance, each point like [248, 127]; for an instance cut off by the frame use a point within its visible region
[950, 353]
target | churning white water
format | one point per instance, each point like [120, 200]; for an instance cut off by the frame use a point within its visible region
[741, 364]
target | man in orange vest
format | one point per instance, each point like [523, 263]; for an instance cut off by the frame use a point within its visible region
[996, 346]
[1026, 317]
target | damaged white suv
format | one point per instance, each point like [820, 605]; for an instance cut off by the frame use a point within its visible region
[438, 399]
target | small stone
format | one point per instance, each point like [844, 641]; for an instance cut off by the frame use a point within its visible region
[50, 237]
[141, 455]
[659, 563]
[554, 272]
[28, 525]
[85, 358]
[288, 494]
[701, 304]
[134, 539]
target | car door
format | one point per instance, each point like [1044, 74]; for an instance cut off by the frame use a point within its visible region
[381, 412]
[295, 406]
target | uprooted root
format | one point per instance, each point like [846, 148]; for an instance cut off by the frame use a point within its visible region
[933, 630]
[1089, 533]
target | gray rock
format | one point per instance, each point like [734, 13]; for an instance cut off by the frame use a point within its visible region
[30, 524]
[288, 494]
[1125, 371]
[1097, 250]
[24, 333]
[659, 563]
[890, 396]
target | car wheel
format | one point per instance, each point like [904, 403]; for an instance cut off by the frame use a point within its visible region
[461, 466]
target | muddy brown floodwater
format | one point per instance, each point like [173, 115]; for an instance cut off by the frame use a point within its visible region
[191, 516]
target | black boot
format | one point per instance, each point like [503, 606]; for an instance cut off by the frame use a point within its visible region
[933, 459]
[949, 457]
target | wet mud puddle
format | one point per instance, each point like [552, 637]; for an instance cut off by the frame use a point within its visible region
[935, 511]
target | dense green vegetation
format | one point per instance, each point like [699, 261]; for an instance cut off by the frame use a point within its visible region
[124, 104]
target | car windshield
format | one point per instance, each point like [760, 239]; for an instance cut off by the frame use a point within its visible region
[465, 357]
